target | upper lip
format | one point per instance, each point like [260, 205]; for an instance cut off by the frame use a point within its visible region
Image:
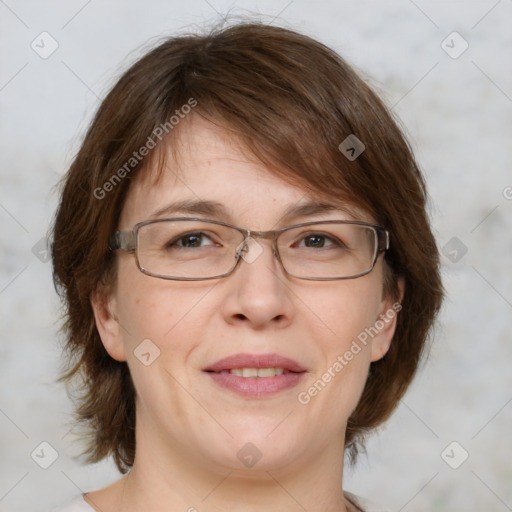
[255, 361]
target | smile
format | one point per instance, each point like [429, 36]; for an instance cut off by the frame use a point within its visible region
[256, 372]
[256, 375]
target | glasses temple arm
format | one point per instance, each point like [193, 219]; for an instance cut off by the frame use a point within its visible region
[124, 240]
[383, 239]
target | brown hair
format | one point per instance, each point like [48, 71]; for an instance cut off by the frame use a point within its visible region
[291, 101]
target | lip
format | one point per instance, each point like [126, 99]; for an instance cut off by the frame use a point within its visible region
[256, 387]
[255, 361]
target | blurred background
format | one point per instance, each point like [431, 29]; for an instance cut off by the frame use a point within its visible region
[443, 67]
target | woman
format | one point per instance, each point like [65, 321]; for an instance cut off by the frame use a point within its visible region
[249, 274]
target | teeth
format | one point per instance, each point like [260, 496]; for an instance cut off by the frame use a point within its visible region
[257, 372]
[249, 372]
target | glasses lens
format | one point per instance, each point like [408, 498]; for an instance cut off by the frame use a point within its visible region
[184, 249]
[328, 251]
[187, 249]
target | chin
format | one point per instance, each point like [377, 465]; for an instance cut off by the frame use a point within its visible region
[259, 448]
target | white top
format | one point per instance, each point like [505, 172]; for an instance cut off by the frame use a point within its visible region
[78, 504]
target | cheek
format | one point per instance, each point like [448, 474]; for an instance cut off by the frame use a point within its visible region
[169, 313]
[144, 310]
[344, 351]
[156, 331]
[346, 309]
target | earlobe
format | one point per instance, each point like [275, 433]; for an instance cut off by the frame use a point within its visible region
[105, 315]
[386, 323]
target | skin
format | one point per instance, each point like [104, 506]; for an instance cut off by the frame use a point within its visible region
[188, 429]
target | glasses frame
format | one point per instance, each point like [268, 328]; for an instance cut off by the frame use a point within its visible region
[126, 240]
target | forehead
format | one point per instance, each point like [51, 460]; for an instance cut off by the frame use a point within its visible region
[207, 171]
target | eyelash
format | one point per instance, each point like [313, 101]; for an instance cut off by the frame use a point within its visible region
[303, 236]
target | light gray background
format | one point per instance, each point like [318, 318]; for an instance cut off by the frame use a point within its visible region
[457, 112]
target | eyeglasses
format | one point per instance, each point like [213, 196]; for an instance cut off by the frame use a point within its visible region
[190, 249]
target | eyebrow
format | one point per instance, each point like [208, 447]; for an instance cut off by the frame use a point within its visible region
[216, 210]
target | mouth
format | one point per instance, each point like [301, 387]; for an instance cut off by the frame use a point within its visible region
[256, 372]
[256, 365]
[256, 375]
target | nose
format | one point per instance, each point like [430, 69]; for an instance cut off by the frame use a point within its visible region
[258, 293]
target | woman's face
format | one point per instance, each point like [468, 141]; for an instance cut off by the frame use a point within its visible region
[182, 410]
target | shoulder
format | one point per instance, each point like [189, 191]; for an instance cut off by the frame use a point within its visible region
[363, 504]
[77, 504]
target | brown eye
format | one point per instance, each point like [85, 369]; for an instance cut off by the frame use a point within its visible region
[190, 240]
[319, 241]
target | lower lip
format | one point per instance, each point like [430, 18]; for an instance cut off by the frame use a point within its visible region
[256, 387]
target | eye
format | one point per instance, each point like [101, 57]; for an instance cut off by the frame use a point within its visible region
[190, 240]
[320, 240]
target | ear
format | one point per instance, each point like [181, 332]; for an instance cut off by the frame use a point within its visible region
[105, 315]
[385, 323]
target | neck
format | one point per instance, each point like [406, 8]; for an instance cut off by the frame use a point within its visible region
[185, 480]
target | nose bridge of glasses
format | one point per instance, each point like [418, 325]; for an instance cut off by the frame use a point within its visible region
[249, 241]
[260, 234]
